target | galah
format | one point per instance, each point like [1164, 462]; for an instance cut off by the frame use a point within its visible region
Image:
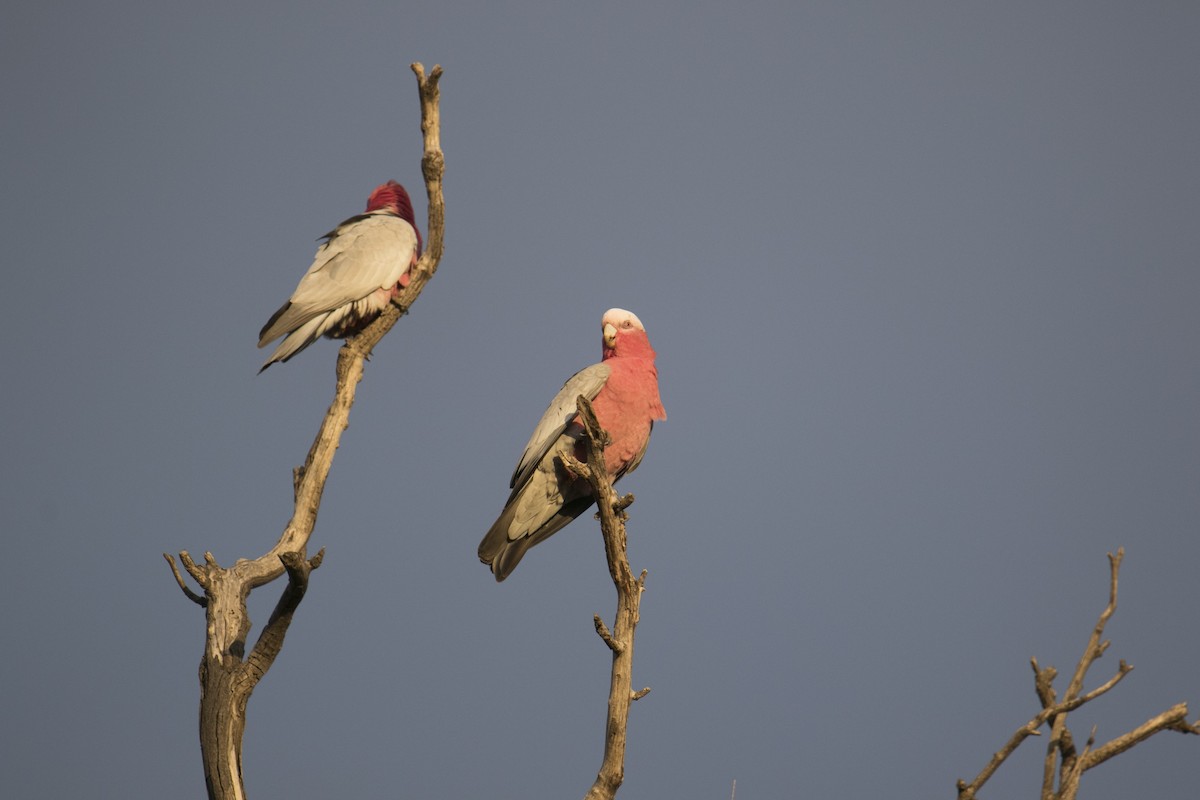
[623, 389]
[362, 264]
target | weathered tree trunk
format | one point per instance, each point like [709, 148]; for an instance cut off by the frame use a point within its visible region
[227, 674]
[223, 696]
[226, 678]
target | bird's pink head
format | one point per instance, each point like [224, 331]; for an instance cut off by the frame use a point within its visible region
[391, 197]
[624, 335]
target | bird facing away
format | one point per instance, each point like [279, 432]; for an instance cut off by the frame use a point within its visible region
[362, 264]
[623, 390]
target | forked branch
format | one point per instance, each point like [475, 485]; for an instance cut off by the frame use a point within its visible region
[227, 675]
[1063, 764]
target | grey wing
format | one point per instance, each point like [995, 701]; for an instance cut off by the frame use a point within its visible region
[364, 254]
[586, 382]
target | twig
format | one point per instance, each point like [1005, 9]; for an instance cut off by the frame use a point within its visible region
[195, 598]
[1095, 647]
[602, 629]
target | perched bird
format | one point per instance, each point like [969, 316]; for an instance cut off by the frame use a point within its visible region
[362, 264]
[623, 389]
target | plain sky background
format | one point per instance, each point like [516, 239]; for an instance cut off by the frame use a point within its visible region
[923, 282]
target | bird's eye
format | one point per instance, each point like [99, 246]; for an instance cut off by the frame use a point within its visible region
[627, 324]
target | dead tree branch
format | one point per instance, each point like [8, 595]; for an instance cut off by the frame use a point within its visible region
[629, 592]
[1173, 719]
[187, 590]
[1062, 760]
[227, 675]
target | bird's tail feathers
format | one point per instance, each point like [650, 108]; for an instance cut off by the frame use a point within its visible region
[297, 340]
[503, 554]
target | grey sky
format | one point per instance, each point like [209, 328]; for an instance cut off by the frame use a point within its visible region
[923, 283]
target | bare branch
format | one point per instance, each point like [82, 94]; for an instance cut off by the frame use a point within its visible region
[1173, 719]
[629, 591]
[1061, 755]
[602, 629]
[1095, 647]
[1031, 728]
[1043, 683]
[195, 598]
[227, 676]
[193, 569]
[574, 467]
[270, 640]
[310, 479]
[1072, 771]
[1061, 744]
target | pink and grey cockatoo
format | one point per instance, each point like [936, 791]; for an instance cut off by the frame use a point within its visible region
[361, 266]
[623, 389]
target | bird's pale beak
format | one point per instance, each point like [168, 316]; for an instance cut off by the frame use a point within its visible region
[610, 336]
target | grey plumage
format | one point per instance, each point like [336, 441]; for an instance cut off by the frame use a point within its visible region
[348, 282]
[540, 504]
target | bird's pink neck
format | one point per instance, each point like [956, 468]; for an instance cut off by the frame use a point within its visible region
[630, 345]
